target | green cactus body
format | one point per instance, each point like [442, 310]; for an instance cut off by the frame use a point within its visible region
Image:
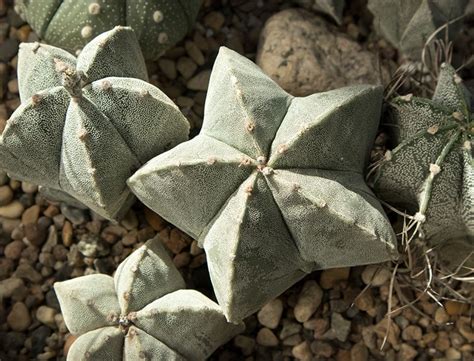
[85, 125]
[70, 24]
[142, 313]
[430, 171]
[273, 185]
[333, 8]
[407, 24]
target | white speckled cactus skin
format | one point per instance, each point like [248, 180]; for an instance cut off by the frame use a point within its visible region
[142, 313]
[273, 185]
[430, 171]
[85, 125]
[70, 24]
[407, 24]
[333, 8]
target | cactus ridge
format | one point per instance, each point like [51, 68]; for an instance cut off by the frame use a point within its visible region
[273, 186]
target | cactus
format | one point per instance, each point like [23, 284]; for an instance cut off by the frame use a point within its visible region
[70, 24]
[407, 24]
[142, 313]
[430, 171]
[333, 8]
[86, 124]
[272, 187]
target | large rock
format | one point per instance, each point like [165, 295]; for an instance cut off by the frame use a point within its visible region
[304, 54]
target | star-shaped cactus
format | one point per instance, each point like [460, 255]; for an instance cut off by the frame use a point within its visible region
[430, 171]
[273, 185]
[409, 24]
[142, 313]
[86, 124]
[70, 24]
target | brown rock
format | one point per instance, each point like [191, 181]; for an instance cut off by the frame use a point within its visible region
[465, 326]
[194, 52]
[13, 250]
[441, 316]
[200, 81]
[455, 308]
[442, 343]
[45, 315]
[68, 343]
[6, 195]
[214, 20]
[412, 333]
[67, 234]
[270, 314]
[376, 275]
[154, 220]
[266, 337]
[359, 352]
[302, 351]
[393, 331]
[19, 317]
[31, 215]
[305, 54]
[308, 301]
[331, 277]
[182, 259]
[407, 352]
[365, 301]
[186, 67]
[12, 210]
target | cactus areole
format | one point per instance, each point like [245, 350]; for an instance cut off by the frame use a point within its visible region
[71, 24]
[273, 186]
[86, 124]
[429, 174]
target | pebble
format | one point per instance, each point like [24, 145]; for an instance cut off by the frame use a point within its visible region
[412, 333]
[6, 195]
[13, 86]
[29, 188]
[270, 314]
[31, 215]
[340, 328]
[393, 333]
[3, 177]
[186, 67]
[441, 316]
[265, 337]
[321, 349]
[19, 317]
[10, 286]
[194, 52]
[245, 344]
[68, 343]
[407, 352]
[90, 245]
[27, 272]
[365, 301]
[289, 329]
[359, 352]
[214, 20]
[305, 54]
[38, 339]
[199, 81]
[453, 354]
[45, 315]
[308, 301]
[13, 249]
[8, 49]
[12, 210]
[195, 250]
[465, 328]
[75, 215]
[130, 221]
[67, 234]
[154, 220]
[454, 308]
[331, 277]
[302, 351]
[376, 275]
[175, 242]
[168, 67]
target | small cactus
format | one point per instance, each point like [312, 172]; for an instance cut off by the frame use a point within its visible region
[430, 172]
[71, 24]
[407, 24]
[86, 124]
[273, 186]
[142, 313]
[333, 8]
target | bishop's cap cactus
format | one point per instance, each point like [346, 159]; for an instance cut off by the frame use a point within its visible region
[86, 124]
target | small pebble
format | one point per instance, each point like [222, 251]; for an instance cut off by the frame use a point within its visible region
[245, 344]
[308, 301]
[45, 315]
[13, 249]
[331, 277]
[266, 337]
[12, 210]
[19, 317]
[302, 351]
[6, 195]
[412, 333]
[375, 275]
[270, 314]
[199, 81]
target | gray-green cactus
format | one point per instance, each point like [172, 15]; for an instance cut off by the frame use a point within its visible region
[430, 171]
[272, 187]
[142, 313]
[407, 24]
[333, 8]
[70, 24]
[86, 124]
